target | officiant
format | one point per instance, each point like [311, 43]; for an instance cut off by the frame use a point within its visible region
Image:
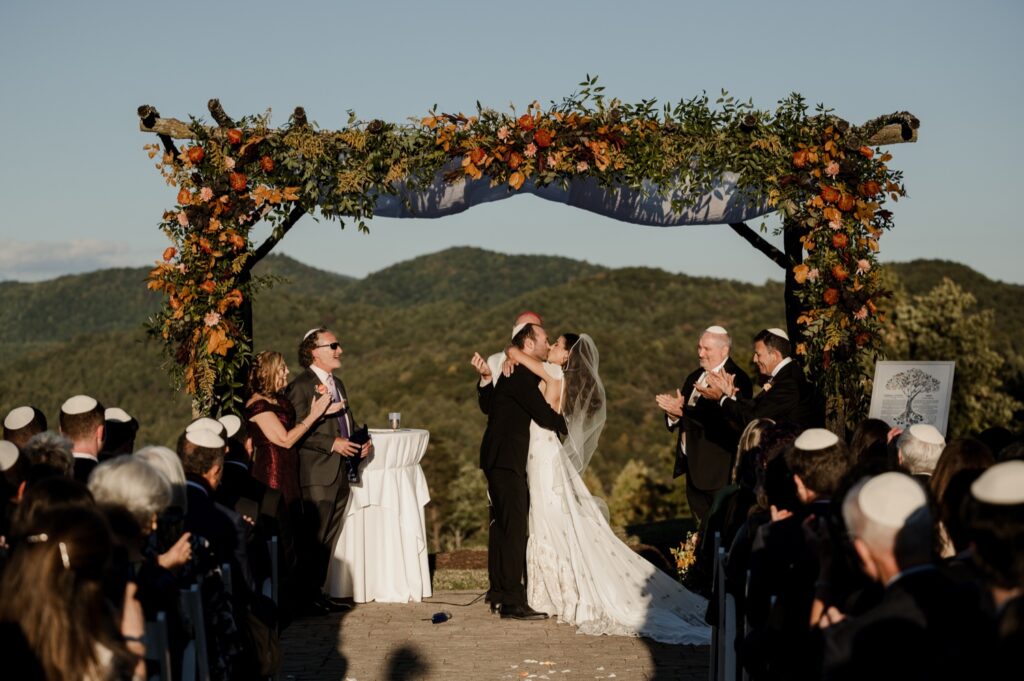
[323, 479]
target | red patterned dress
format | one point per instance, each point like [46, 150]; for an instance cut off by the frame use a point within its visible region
[275, 466]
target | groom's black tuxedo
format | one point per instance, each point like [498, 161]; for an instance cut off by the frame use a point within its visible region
[510, 406]
[786, 398]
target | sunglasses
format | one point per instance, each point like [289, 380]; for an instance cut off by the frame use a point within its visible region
[332, 346]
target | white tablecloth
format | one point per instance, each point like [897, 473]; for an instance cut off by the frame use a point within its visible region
[381, 554]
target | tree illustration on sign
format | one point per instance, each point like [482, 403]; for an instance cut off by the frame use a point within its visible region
[912, 383]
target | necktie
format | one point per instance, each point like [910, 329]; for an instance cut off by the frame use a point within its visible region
[342, 417]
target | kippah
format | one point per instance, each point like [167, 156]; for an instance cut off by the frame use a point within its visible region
[207, 424]
[19, 417]
[890, 498]
[310, 333]
[779, 332]
[79, 404]
[720, 330]
[231, 424]
[1002, 484]
[8, 454]
[517, 328]
[116, 414]
[204, 438]
[926, 432]
[814, 439]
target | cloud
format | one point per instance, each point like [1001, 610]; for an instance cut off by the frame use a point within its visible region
[39, 260]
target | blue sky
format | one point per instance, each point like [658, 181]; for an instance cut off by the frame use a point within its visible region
[79, 192]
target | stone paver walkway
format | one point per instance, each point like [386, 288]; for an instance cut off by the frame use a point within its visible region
[382, 641]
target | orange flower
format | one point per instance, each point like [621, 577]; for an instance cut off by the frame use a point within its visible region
[800, 273]
[862, 339]
[866, 152]
[184, 197]
[238, 181]
[829, 194]
[525, 122]
[516, 179]
[870, 188]
[219, 343]
[196, 154]
[232, 299]
[169, 253]
[477, 156]
[800, 158]
[235, 136]
[846, 202]
[236, 241]
[515, 159]
[831, 296]
[542, 138]
[266, 164]
[840, 240]
[840, 273]
[208, 286]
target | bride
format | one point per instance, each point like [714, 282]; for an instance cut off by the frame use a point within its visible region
[577, 569]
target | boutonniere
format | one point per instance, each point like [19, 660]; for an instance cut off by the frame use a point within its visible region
[767, 386]
[321, 389]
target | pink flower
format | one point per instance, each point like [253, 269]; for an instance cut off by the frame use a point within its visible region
[183, 219]
[181, 268]
[835, 225]
[530, 151]
[205, 194]
[211, 319]
[503, 133]
[812, 275]
[863, 265]
[862, 313]
[582, 167]
[321, 389]
[832, 169]
[229, 163]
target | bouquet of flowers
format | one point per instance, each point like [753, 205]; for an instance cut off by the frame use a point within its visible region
[686, 555]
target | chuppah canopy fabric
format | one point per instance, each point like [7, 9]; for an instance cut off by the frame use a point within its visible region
[722, 204]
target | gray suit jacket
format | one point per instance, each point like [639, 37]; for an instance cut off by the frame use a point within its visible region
[318, 465]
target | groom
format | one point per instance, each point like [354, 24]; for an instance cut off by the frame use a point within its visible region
[510, 405]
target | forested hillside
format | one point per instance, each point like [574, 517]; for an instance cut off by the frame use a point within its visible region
[408, 332]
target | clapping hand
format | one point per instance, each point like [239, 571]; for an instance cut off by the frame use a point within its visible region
[319, 405]
[480, 364]
[719, 385]
[672, 405]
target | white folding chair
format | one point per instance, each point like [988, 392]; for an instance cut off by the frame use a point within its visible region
[158, 648]
[729, 640]
[722, 639]
[270, 585]
[195, 664]
[225, 576]
[713, 653]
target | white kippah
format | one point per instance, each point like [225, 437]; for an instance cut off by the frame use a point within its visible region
[1002, 484]
[779, 332]
[116, 414]
[926, 432]
[231, 424]
[19, 417]
[205, 423]
[8, 454]
[79, 404]
[720, 330]
[310, 333]
[890, 498]
[813, 439]
[517, 328]
[204, 438]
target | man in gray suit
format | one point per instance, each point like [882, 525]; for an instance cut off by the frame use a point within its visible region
[322, 477]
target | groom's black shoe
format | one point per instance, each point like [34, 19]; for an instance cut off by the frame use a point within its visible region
[521, 612]
[327, 604]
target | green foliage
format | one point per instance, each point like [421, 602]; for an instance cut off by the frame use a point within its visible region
[638, 497]
[940, 325]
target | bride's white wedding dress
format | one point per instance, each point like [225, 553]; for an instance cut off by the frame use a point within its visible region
[579, 571]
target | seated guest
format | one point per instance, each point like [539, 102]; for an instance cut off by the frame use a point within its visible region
[23, 423]
[996, 521]
[13, 472]
[949, 486]
[925, 626]
[168, 463]
[920, 446]
[870, 442]
[120, 429]
[49, 450]
[239, 489]
[81, 420]
[52, 595]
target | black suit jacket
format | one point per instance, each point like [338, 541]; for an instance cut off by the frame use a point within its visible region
[318, 465]
[710, 438]
[222, 527]
[83, 468]
[788, 399]
[510, 406]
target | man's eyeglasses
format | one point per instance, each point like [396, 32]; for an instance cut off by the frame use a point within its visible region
[332, 346]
